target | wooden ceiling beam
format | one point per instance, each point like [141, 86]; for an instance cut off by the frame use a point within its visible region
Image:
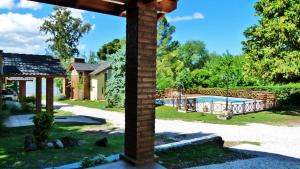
[111, 7]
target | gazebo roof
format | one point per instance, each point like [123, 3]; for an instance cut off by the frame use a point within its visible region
[24, 65]
[112, 7]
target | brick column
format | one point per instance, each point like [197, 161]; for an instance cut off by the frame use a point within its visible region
[140, 83]
[49, 95]
[38, 92]
[22, 92]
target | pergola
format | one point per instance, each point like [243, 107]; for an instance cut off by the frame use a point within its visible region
[141, 44]
[20, 67]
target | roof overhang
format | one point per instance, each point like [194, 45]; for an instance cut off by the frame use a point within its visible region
[112, 7]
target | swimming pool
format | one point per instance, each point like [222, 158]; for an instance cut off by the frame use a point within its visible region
[203, 99]
[217, 104]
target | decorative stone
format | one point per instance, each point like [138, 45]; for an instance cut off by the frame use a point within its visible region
[31, 147]
[70, 141]
[102, 142]
[219, 140]
[29, 140]
[58, 144]
[50, 145]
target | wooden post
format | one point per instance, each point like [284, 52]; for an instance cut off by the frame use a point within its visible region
[1, 78]
[49, 95]
[38, 94]
[22, 92]
[66, 88]
[140, 82]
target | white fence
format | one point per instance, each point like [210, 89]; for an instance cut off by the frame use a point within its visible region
[218, 107]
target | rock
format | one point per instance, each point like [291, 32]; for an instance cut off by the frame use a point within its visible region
[42, 145]
[219, 141]
[32, 147]
[102, 142]
[29, 139]
[70, 141]
[80, 142]
[50, 145]
[58, 144]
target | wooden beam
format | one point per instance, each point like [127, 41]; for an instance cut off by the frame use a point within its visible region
[38, 94]
[111, 7]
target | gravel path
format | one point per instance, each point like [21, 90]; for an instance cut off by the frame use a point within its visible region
[255, 163]
[281, 140]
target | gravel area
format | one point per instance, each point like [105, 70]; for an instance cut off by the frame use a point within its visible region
[255, 163]
[281, 140]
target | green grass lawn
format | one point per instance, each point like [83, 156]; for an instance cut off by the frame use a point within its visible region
[13, 156]
[287, 117]
[198, 155]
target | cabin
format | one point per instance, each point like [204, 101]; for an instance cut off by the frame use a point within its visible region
[88, 81]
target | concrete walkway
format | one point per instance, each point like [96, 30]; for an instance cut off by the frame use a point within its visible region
[280, 140]
[255, 163]
[26, 120]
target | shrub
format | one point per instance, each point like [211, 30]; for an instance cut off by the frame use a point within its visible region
[61, 98]
[3, 116]
[29, 107]
[43, 123]
[12, 106]
[90, 162]
[30, 99]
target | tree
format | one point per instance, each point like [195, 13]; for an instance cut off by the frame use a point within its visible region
[272, 47]
[109, 49]
[93, 59]
[65, 32]
[115, 91]
[200, 77]
[165, 43]
[194, 54]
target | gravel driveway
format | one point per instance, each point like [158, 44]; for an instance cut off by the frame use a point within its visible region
[280, 140]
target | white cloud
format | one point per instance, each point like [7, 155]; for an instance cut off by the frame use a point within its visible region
[195, 16]
[20, 33]
[6, 4]
[29, 5]
[77, 13]
[93, 27]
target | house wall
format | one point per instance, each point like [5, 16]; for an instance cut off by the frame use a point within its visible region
[98, 87]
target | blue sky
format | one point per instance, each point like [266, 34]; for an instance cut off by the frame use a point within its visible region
[220, 24]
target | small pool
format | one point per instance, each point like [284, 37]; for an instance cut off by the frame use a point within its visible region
[203, 99]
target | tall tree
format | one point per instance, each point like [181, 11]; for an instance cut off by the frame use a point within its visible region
[115, 90]
[165, 41]
[194, 54]
[109, 49]
[65, 32]
[93, 58]
[273, 46]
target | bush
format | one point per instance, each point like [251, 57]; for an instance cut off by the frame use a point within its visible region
[61, 98]
[12, 106]
[3, 116]
[29, 107]
[30, 99]
[91, 162]
[43, 123]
